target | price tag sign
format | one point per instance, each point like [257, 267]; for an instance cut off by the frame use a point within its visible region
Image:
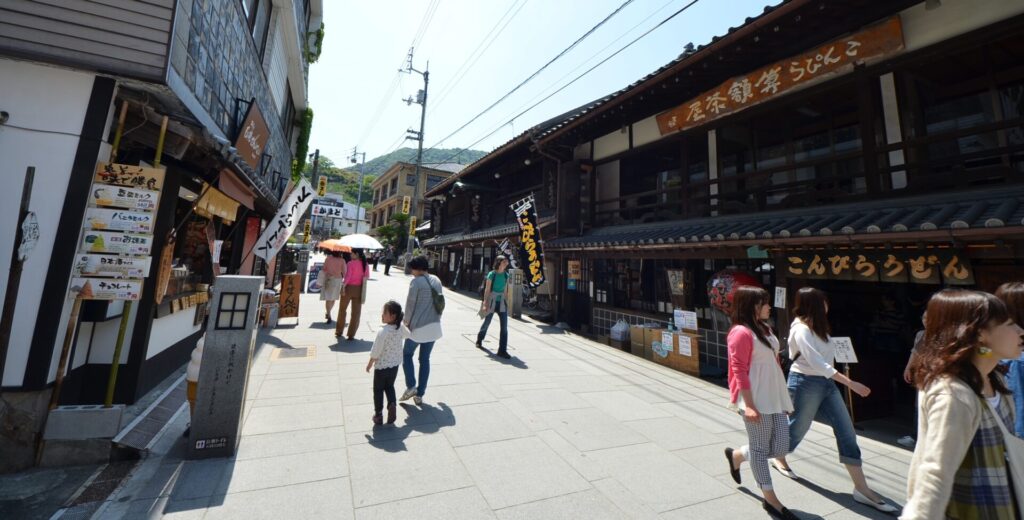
[780, 297]
[685, 345]
[844, 349]
[686, 320]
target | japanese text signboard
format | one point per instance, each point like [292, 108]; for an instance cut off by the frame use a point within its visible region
[530, 251]
[116, 243]
[111, 266]
[291, 288]
[320, 210]
[285, 222]
[120, 197]
[107, 289]
[735, 94]
[119, 220]
[252, 137]
[915, 266]
[139, 177]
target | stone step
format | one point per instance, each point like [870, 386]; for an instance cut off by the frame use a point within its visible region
[141, 433]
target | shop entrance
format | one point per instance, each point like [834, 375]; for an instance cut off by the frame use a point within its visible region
[881, 319]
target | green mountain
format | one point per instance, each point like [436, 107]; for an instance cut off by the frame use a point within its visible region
[381, 164]
[346, 180]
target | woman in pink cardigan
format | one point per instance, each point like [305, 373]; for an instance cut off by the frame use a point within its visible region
[755, 376]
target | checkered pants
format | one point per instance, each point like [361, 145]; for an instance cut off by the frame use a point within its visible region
[769, 438]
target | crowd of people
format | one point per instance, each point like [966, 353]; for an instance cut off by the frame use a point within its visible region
[967, 366]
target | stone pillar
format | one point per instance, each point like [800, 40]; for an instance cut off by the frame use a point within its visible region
[516, 305]
[230, 339]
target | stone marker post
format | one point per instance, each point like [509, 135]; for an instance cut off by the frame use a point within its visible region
[516, 304]
[224, 376]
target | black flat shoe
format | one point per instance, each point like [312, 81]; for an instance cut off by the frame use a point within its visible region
[732, 469]
[504, 355]
[785, 514]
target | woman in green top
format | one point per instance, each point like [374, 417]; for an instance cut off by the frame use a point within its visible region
[495, 300]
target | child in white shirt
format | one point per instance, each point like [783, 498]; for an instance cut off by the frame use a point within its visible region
[386, 355]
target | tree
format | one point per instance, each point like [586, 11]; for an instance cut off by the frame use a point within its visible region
[401, 222]
[342, 181]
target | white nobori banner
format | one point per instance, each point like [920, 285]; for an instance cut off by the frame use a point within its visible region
[285, 222]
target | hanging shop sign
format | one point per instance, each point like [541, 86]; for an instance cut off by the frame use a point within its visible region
[120, 197]
[102, 219]
[922, 267]
[110, 266]
[130, 176]
[575, 274]
[285, 222]
[307, 230]
[321, 186]
[116, 243]
[505, 248]
[106, 289]
[252, 137]
[405, 204]
[215, 203]
[530, 249]
[836, 57]
[320, 210]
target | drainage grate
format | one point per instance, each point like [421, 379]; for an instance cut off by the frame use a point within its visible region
[294, 353]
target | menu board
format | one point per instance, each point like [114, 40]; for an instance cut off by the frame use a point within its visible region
[110, 266]
[117, 239]
[119, 220]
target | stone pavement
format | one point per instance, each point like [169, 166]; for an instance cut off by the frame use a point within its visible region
[566, 429]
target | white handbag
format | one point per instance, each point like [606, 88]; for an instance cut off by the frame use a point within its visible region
[1014, 455]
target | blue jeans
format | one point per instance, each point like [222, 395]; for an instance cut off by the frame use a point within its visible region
[816, 397]
[410, 370]
[502, 337]
[1015, 380]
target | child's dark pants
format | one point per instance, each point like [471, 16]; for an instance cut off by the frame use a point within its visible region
[384, 384]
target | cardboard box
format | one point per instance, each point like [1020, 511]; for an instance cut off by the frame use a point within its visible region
[621, 345]
[678, 360]
[636, 340]
[661, 351]
[650, 336]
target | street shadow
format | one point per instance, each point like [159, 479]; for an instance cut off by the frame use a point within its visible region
[322, 325]
[551, 329]
[797, 512]
[425, 418]
[513, 361]
[266, 339]
[845, 500]
[356, 345]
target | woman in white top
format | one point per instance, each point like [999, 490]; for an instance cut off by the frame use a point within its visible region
[815, 394]
[756, 376]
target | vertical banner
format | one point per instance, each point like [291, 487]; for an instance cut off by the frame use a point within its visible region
[285, 222]
[530, 249]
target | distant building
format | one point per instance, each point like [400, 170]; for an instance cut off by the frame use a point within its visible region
[332, 215]
[390, 189]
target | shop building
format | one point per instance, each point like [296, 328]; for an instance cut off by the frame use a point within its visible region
[224, 84]
[333, 216]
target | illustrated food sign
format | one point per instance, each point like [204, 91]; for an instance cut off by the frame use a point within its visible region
[923, 267]
[530, 249]
[111, 266]
[252, 138]
[738, 93]
[119, 220]
[107, 289]
[113, 256]
[285, 222]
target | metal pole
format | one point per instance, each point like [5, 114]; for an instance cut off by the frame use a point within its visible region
[359, 195]
[419, 155]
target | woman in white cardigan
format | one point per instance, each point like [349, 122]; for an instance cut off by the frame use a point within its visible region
[812, 386]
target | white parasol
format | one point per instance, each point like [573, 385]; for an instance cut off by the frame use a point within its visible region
[360, 241]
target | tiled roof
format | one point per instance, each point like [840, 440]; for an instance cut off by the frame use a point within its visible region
[501, 231]
[446, 167]
[983, 209]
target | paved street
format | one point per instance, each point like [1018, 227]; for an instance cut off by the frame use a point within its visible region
[566, 429]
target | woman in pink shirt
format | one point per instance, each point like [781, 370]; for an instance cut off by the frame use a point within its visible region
[755, 376]
[356, 275]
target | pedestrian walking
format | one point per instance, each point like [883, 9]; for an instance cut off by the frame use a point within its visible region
[959, 468]
[375, 258]
[908, 441]
[423, 308]
[813, 391]
[495, 301]
[755, 377]
[356, 275]
[332, 279]
[385, 357]
[1012, 295]
[389, 258]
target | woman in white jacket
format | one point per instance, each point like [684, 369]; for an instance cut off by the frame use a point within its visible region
[814, 393]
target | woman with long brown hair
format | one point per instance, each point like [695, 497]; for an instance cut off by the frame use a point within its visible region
[812, 387]
[755, 376]
[959, 468]
[1012, 294]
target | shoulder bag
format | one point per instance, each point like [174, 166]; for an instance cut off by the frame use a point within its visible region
[436, 297]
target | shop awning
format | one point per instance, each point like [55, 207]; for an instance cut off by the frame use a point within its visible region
[502, 231]
[214, 203]
[941, 216]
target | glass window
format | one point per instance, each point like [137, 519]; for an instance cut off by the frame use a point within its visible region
[410, 179]
[233, 311]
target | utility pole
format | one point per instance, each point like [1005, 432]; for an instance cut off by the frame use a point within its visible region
[421, 99]
[359, 195]
[312, 180]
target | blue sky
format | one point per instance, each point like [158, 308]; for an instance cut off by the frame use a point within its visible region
[367, 41]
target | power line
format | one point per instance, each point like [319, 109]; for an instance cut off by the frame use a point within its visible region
[577, 78]
[545, 66]
[428, 16]
[489, 38]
